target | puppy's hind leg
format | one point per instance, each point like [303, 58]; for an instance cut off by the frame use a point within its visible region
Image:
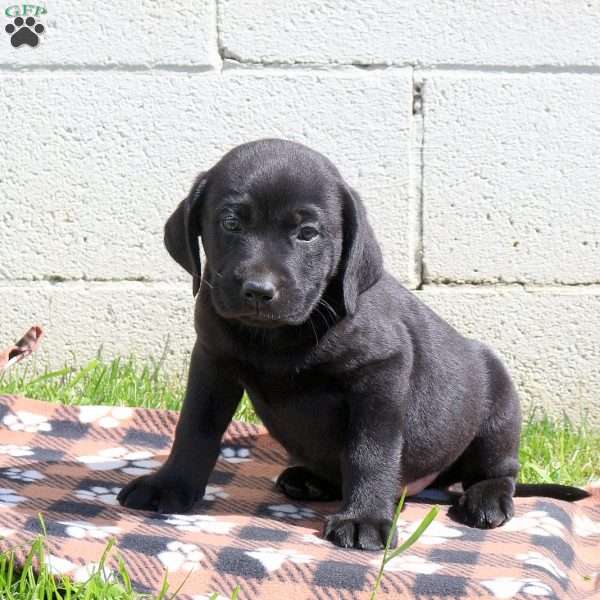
[299, 483]
[490, 465]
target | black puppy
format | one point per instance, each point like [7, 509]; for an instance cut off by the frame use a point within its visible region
[363, 384]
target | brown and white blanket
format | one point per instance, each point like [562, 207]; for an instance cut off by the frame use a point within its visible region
[68, 463]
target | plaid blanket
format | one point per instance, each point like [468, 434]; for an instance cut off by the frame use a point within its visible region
[68, 463]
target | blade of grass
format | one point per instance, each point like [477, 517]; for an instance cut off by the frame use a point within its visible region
[387, 556]
[388, 543]
[51, 375]
[418, 532]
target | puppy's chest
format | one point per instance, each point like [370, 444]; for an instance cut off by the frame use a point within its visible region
[305, 412]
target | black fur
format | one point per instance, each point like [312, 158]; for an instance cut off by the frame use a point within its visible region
[365, 386]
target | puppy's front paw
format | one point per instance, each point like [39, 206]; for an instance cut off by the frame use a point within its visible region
[153, 492]
[358, 532]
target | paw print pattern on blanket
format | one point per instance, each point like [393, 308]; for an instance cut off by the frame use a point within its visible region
[97, 493]
[130, 462]
[508, 587]
[16, 451]
[291, 511]
[80, 574]
[82, 530]
[539, 560]
[105, 416]
[272, 558]
[586, 527]
[536, 522]
[434, 535]
[9, 498]
[27, 421]
[235, 454]
[409, 563]
[206, 523]
[180, 556]
[25, 475]
[213, 492]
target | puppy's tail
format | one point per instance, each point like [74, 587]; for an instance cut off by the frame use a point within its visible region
[551, 490]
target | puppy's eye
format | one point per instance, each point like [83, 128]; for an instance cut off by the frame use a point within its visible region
[231, 224]
[306, 234]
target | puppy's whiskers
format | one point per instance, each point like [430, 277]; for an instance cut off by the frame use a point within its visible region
[330, 309]
[314, 331]
[323, 317]
[330, 316]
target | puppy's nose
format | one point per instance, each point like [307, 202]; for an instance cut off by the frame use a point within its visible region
[260, 291]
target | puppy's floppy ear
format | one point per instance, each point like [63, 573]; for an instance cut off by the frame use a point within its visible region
[361, 263]
[182, 230]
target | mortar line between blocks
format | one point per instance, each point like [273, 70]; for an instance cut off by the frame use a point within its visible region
[227, 61]
[218, 36]
[416, 178]
[587, 287]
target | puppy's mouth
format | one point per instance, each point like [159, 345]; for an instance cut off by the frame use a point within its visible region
[260, 322]
[268, 320]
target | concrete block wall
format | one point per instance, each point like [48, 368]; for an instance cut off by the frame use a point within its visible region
[471, 129]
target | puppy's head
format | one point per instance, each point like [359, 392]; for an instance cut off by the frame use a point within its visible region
[279, 228]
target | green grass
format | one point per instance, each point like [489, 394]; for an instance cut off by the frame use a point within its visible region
[552, 450]
[557, 450]
[121, 382]
[34, 580]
